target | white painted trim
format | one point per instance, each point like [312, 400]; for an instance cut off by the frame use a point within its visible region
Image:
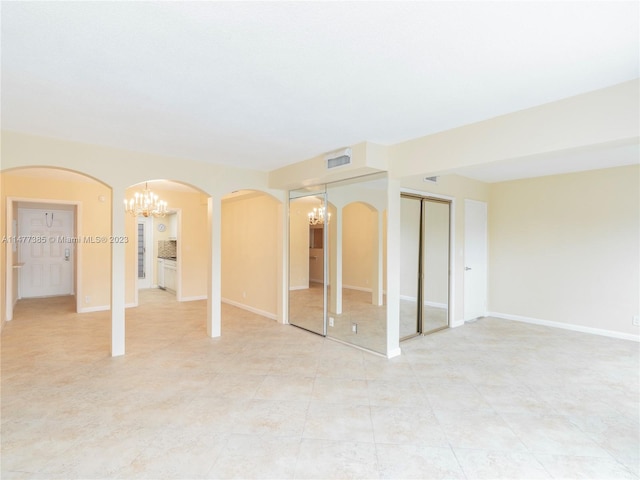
[408, 298]
[566, 326]
[426, 193]
[360, 289]
[76, 286]
[99, 308]
[426, 303]
[194, 298]
[435, 304]
[131, 305]
[300, 287]
[257, 311]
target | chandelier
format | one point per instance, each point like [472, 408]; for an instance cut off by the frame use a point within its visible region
[146, 204]
[319, 215]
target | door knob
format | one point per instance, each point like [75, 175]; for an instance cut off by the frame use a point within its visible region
[467, 268]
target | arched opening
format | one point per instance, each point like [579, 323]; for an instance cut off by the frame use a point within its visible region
[167, 258]
[56, 221]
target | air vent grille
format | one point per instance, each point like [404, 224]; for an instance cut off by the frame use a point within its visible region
[431, 179]
[338, 159]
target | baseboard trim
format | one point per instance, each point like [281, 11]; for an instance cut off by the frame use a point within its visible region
[99, 308]
[427, 303]
[360, 289]
[299, 287]
[264, 313]
[566, 326]
[435, 304]
[193, 299]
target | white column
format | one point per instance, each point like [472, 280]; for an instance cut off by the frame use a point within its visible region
[214, 314]
[282, 312]
[376, 270]
[393, 268]
[118, 262]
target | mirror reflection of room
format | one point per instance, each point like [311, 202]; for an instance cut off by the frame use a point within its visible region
[337, 261]
[424, 265]
[357, 312]
[306, 263]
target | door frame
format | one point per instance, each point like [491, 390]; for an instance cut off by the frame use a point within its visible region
[452, 246]
[10, 267]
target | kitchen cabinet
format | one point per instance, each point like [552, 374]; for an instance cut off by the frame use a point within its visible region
[170, 275]
[160, 273]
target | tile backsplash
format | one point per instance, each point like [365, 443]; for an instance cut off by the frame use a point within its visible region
[167, 248]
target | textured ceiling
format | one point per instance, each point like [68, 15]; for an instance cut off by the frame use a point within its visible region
[265, 84]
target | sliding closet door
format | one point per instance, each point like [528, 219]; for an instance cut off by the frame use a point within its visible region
[410, 208]
[435, 265]
[307, 262]
[424, 265]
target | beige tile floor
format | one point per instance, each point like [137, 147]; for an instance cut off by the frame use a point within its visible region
[491, 399]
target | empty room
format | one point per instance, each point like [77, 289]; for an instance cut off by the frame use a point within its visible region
[320, 240]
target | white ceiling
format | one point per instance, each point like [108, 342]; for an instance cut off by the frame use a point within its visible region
[554, 163]
[265, 84]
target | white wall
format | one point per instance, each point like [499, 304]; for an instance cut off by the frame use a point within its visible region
[565, 249]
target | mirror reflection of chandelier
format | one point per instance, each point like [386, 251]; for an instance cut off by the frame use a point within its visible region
[146, 204]
[318, 215]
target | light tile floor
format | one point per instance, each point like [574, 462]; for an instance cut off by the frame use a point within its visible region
[491, 399]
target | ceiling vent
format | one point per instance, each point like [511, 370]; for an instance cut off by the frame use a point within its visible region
[339, 158]
[430, 179]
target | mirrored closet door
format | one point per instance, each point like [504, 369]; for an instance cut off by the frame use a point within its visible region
[307, 259]
[425, 265]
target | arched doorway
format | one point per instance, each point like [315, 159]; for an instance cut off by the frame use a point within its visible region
[166, 265]
[56, 224]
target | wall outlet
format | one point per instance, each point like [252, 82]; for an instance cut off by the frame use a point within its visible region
[331, 320]
[636, 320]
[87, 299]
[244, 294]
[354, 327]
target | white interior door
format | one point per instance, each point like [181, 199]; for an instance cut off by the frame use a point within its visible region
[475, 259]
[48, 259]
